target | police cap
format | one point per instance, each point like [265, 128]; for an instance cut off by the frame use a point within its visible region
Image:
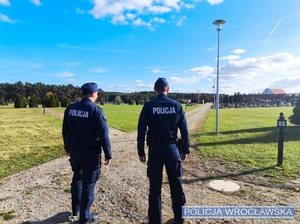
[161, 83]
[89, 88]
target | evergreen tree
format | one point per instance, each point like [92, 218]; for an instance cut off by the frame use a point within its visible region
[56, 100]
[51, 100]
[65, 102]
[33, 102]
[25, 102]
[19, 102]
[295, 118]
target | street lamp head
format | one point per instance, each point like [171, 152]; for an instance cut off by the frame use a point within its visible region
[219, 23]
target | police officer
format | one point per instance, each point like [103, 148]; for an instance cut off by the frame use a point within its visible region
[85, 132]
[159, 122]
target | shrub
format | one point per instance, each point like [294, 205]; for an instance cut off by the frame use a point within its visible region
[295, 117]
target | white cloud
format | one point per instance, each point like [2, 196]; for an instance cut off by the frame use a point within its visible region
[184, 80]
[180, 21]
[248, 75]
[202, 71]
[119, 19]
[72, 80]
[143, 86]
[188, 6]
[5, 2]
[6, 19]
[172, 3]
[157, 71]
[214, 2]
[159, 9]
[120, 10]
[103, 8]
[130, 16]
[36, 2]
[230, 57]
[254, 66]
[290, 85]
[158, 20]
[65, 74]
[140, 22]
[238, 51]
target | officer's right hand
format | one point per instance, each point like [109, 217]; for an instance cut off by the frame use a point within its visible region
[183, 157]
[107, 161]
[143, 159]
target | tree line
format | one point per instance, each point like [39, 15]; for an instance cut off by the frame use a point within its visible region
[32, 95]
[35, 94]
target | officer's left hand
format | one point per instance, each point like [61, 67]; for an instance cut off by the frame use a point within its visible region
[142, 159]
[183, 157]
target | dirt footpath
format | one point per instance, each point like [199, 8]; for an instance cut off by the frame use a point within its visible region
[41, 194]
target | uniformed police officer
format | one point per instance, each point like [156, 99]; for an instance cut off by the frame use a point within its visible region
[85, 132]
[159, 122]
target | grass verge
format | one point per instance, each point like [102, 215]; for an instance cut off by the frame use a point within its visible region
[248, 139]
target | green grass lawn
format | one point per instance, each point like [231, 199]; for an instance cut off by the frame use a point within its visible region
[249, 138]
[27, 138]
[123, 117]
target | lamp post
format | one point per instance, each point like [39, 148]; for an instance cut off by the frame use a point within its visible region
[214, 93]
[219, 24]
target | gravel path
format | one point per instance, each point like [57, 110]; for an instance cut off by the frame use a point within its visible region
[40, 195]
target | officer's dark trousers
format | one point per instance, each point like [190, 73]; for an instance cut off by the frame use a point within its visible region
[86, 172]
[169, 156]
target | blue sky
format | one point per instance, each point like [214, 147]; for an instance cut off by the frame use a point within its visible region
[125, 45]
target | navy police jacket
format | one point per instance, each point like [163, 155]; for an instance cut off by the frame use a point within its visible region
[85, 128]
[160, 120]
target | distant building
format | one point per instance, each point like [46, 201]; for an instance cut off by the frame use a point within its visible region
[274, 91]
[271, 95]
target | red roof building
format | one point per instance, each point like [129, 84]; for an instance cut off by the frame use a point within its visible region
[273, 91]
[268, 94]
